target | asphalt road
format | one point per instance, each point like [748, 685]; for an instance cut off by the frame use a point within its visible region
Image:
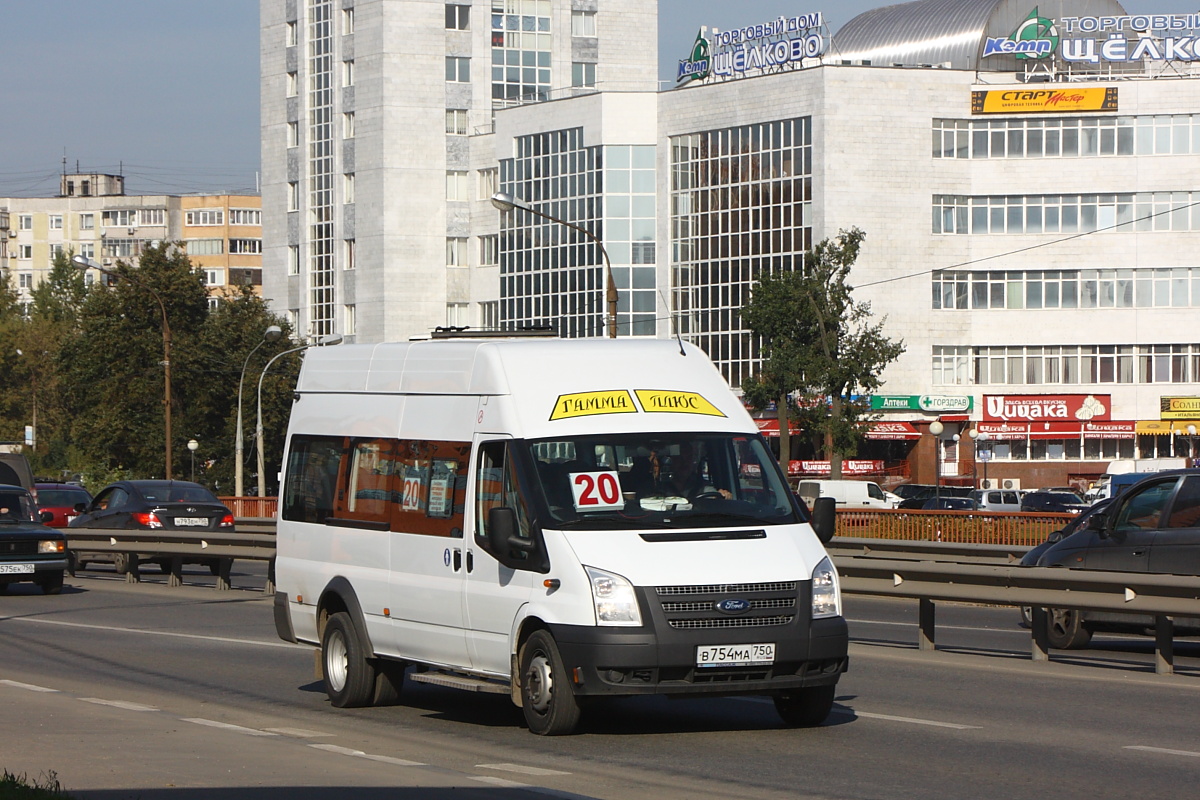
[154, 692]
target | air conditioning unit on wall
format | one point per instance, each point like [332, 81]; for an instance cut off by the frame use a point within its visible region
[988, 483]
[1010, 483]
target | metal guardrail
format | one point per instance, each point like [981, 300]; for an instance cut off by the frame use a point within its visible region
[250, 539]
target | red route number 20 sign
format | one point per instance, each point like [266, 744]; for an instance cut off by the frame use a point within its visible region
[596, 491]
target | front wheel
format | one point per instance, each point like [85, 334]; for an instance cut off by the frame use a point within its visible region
[805, 708]
[1066, 630]
[51, 582]
[547, 701]
[349, 677]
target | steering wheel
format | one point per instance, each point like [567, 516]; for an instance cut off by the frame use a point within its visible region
[709, 494]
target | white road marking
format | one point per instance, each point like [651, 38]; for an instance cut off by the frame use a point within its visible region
[346, 751]
[112, 629]
[297, 733]
[500, 782]
[125, 704]
[1163, 750]
[225, 726]
[849, 712]
[524, 770]
[29, 686]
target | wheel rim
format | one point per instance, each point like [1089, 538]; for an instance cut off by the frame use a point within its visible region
[1061, 621]
[539, 682]
[337, 661]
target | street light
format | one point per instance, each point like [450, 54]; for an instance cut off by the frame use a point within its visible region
[1191, 429]
[193, 445]
[85, 263]
[936, 427]
[324, 341]
[985, 454]
[974, 434]
[507, 202]
[271, 334]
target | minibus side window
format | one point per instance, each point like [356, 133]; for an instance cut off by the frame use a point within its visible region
[312, 475]
[429, 494]
[370, 481]
[497, 486]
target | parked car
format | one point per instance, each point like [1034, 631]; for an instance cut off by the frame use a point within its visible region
[29, 550]
[847, 493]
[1154, 526]
[1062, 502]
[950, 504]
[153, 505]
[62, 500]
[997, 499]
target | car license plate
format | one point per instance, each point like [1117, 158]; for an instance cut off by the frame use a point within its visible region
[735, 655]
[15, 569]
[192, 522]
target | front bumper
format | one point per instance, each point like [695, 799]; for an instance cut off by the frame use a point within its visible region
[40, 567]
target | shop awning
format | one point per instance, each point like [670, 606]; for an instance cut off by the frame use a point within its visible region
[1109, 430]
[1165, 427]
[892, 431]
[770, 427]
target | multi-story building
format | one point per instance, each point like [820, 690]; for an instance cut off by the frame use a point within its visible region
[92, 216]
[378, 153]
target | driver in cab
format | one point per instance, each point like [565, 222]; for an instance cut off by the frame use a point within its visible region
[684, 478]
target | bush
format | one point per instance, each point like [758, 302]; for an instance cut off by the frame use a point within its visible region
[13, 787]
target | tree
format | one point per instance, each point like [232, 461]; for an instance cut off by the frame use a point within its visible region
[818, 340]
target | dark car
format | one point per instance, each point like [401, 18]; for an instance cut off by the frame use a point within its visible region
[950, 504]
[62, 500]
[1154, 526]
[1060, 502]
[29, 550]
[153, 505]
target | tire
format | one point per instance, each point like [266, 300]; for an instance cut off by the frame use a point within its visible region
[121, 562]
[547, 700]
[1026, 617]
[164, 565]
[349, 677]
[51, 582]
[3, 587]
[1066, 630]
[807, 707]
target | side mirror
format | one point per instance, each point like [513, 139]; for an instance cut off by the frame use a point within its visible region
[1098, 524]
[824, 518]
[502, 535]
[81, 508]
[46, 517]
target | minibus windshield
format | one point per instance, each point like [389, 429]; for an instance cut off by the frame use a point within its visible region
[661, 480]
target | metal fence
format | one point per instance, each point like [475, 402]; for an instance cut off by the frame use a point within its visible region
[975, 527]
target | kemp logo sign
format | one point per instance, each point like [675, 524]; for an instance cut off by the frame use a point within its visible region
[1036, 37]
[699, 66]
[1036, 407]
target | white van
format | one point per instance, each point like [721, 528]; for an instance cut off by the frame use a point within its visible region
[550, 519]
[847, 494]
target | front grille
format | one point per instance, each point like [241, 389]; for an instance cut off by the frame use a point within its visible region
[698, 607]
[28, 548]
[782, 602]
[728, 622]
[726, 588]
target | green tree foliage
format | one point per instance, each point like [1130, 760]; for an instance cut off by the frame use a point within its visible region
[821, 343]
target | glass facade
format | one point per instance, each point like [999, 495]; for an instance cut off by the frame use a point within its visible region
[1066, 364]
[1067, 137]
[1068, 213]
[321, 288]
[741, 205]
[1171, 287]
[520, 51]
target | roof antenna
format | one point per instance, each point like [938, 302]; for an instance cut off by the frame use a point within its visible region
[674, 324]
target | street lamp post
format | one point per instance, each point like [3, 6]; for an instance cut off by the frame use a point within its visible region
[507, 202]
[985, 440]
[974, 434]
[85, 263]
[324, 341]
[936, 427]
[271, 334]
[193, 445]
[1191, 429]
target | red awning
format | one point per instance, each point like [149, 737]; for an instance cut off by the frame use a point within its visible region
[770, 427]
[1109, 430]
[892, 431]
[1054, 429]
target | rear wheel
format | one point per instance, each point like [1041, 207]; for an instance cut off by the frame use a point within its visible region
[547, 701]
[1066, 630]
[807, 707]
[51, 582]
[349, 677]
[121, 562]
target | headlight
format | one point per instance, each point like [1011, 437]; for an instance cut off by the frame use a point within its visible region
[51, 546]
[826, 596]
[616, 602]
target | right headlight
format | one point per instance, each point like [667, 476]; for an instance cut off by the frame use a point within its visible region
[615, 600]
[826, 595]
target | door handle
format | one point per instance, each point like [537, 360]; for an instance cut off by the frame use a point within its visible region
[470, 560]
[457, 559]
[1139, 552]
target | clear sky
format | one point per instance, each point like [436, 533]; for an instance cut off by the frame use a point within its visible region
[167, 91]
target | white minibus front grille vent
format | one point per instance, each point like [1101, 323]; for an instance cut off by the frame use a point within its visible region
[737, 622]
[780, 602]
[726, 588]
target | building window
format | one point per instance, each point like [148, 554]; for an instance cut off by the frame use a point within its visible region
[214, 277]
[456, 121]
[456, 185]
[456, 315]
[293, 86]
[489, 315]
[293, 260]
[458, 18]
[583, 23]
[349, 320]
[348, 125]
[347, 20]
[87, 222]
[1068, 213]
[293, 196]
[489, 182]
[245, 216]
[87, 249]
[349, 254]
[25, 280]
[348, 72]
[289, 34]
[194, 247]
[293, 134]
[456, 251]
[245, 247]
[25, 222]
[583, 74]
[521, 44]
[152, 217]
[119, 219]
[489, 250]
[458, 69]
[348, 187]
[205, 217]
[56, 222]
[25, 251]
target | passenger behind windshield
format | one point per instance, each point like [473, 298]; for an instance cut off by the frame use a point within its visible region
[674, 480]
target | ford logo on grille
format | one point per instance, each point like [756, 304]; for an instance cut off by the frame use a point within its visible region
[732, 606]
